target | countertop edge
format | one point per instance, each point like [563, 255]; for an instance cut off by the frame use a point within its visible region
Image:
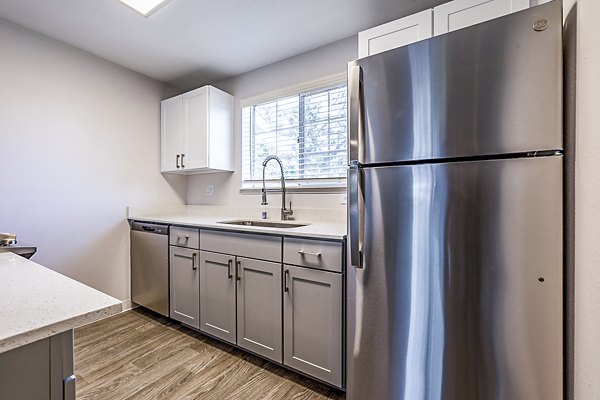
[22, 339]
[243, 229]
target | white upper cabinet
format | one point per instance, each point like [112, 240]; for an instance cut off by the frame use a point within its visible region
[394, 34]
[197, 132]
[445, 18]
[171, 120]
[459, 14]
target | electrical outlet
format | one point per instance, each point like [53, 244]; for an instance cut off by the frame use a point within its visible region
[210, 189]
[343, 199]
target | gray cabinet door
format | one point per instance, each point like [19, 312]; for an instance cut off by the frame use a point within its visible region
[185, 287]
[312, 302]
[42, 370]
[217, 295]
[259, 307]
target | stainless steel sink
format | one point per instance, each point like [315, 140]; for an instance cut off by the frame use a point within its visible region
[268, 224]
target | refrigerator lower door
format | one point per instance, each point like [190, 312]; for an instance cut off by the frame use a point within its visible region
[460, 292]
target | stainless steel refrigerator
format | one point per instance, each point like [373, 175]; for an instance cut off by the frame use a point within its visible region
[455, 275]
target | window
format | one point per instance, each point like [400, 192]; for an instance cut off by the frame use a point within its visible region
[306, 130]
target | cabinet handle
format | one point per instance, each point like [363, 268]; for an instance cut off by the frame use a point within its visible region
[194, 267]
[229, 262]
[68, 384]
[238, 264]
[286, 288]
[182, 166]
[177, 161]
[356, 129]
[356, 214]
[305, 253]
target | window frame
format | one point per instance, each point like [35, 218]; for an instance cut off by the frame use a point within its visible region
[310, 185]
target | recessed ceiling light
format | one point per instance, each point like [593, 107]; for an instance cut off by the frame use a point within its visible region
[144, 7]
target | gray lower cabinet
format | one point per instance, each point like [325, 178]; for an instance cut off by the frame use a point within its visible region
[42, 370]
[313, 330]
[291, 314]
[240, 302]
[184, 285]
[217, 295]
[259, 320]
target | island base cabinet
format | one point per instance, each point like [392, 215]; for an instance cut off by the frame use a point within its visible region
[217, 295]
[39, 370]
[185, 286]
[259, 320]
[312, 302]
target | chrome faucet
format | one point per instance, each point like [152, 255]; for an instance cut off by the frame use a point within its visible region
[285, 213]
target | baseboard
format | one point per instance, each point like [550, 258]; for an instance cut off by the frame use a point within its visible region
[128, 305]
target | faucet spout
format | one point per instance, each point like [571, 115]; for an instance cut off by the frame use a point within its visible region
[284, 211]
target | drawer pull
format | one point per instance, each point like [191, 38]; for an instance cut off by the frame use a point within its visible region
[305, 253]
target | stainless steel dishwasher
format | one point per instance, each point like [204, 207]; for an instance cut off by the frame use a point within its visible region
[150, 266]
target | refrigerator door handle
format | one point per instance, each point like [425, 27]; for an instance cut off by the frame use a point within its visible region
[355, 114]
[356, 216]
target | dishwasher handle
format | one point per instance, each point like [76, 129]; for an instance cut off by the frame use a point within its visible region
[147, 227]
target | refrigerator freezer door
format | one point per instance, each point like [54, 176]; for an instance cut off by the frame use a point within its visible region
[492, 88]
[460, 293]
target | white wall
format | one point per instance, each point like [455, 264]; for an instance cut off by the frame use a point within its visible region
[79, 141]
[587, 201]
[319, 63]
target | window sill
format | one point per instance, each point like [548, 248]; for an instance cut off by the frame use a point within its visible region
[305, 189]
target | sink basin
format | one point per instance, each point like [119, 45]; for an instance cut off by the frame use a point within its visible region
[268, 224]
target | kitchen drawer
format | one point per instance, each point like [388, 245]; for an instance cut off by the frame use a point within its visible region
[184, 237]
[249, 245]
[318, 254]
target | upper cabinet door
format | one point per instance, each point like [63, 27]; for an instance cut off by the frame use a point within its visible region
[171, 111]
[394, 34]
[459, 14]
[195, 129]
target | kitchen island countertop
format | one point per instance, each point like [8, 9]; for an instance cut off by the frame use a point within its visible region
[37, 302]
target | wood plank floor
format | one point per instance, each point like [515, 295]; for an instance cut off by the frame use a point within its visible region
[139, 355]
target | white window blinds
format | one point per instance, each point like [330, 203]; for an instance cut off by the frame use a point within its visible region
[307, 131]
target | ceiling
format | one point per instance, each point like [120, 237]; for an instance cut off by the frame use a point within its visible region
[192, 42]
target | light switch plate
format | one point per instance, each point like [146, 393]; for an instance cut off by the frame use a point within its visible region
[210, 189]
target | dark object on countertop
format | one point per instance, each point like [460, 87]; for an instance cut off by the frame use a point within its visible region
[7, 239]
[8, 243]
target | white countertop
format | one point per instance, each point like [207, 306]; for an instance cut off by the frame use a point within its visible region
[319, 229]
[36, 302]
[321, 223]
